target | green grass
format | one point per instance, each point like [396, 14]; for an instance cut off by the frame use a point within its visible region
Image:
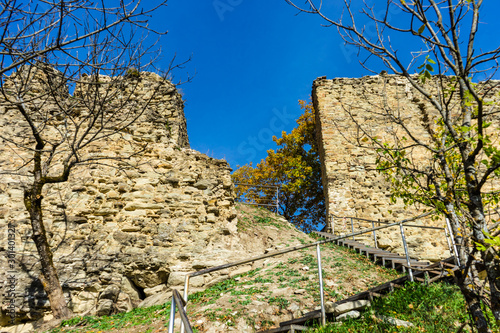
[262, 216]
[138, 316]
[437, 307]
[145, 316]
[280, 301]
[210, 295]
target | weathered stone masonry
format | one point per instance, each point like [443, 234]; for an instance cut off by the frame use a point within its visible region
[352, 185]
[124, 233]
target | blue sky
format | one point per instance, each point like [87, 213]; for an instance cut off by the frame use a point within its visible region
[252, 60]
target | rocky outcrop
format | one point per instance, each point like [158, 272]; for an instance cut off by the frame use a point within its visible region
[123, 229]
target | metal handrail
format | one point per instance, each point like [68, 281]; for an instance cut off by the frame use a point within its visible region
[261, 200]
[275, 202]
[257, 204]
[252, 185]
[417, 226]
[354, 218]
[447, 234]
[177, 299]
[382, 222]
[296, 248]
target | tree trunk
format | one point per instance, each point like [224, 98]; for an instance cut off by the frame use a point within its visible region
[475, 310]
[49, 278]
[479, 226]
[457, 232]
[489, 257]
[492, 264]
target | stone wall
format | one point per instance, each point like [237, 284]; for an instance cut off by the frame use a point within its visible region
[345, 107]
[121, 230]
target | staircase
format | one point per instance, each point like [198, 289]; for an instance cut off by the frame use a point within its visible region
[424, 272]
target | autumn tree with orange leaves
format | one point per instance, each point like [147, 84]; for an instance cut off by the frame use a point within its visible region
[295, 168]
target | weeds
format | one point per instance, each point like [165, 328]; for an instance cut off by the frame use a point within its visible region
[138, 316]
[280, 301]
[437, 307]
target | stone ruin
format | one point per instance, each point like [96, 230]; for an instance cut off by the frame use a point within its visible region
[121, 233]
[124, 234]
[352, 186]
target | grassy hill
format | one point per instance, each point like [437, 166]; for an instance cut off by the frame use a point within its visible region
[285, 287]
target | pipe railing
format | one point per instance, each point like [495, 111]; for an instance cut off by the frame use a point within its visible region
[452, 247]
[383, 222]
[268, 202]
[293, 249]
[178, 300]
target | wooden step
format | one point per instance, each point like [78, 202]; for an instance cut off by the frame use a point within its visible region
[383, 257]
[452, 266]
[389, 255]
[287, 328]
[437, 278]
[375, 250]
[388, 260]
[372, 250]
[324, 234]
[302, 320]
[412, 262]
[438, 272]
[374, 294]
[402, 260]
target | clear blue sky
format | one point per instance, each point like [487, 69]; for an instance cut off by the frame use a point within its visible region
[253, 60]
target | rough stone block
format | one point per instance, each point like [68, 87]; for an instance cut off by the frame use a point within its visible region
[346, 307]
[176, 279]
[348, 315]
[104, 307]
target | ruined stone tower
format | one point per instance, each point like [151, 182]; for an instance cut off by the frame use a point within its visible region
[345, 107]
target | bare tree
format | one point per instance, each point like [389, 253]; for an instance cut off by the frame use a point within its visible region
[443, 65]
[70, 71]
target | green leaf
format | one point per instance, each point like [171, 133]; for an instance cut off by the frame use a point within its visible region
[464, 129]
[480, 247]
[421, 29]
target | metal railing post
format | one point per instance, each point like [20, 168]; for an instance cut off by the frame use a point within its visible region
[410, 271]
[172, 316]
[352, 228]
[182, 313]
[374, 235]
[452, 236]
[446, 235]
[321, 293]
[277, 199]
[185, 296]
